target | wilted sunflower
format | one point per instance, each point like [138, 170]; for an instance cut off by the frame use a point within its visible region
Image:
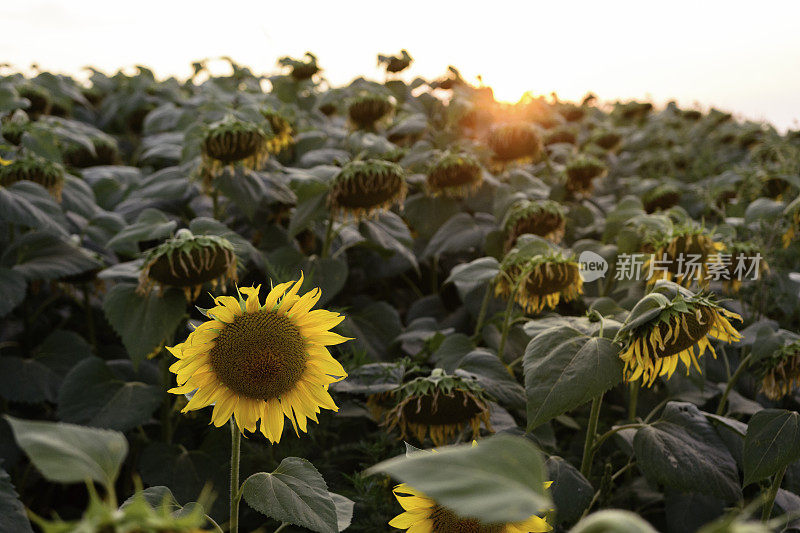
[281, 136]
[39, 98]
[631, 111]
[261, 362]
[683, 254]
[439, 405]
[423, 515]
[742, 256]
[544, 218]
[794, 228]
[571, 112]
[661, 197]
[581, 173]
[454, 175]
[79, 156]
[231, 141]
[395, 64]
[539, 281]
[780, 372]
[608, 140]
[188, 261]
[301, 69]
[514, 142]
[666, 326]
[367, 108]
[363, 188]
[13, 130]
[29, 167]
[561, 134]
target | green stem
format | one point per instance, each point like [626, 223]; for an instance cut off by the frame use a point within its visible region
[506, 324]
[326, 245]
[215, 204]
[611, 432]
[773, 491]
[732, 382]
[282, 527]
[632, 400]
[435, 275]
[236, 444]
[591, 431]
[87, 303]
[482, 313]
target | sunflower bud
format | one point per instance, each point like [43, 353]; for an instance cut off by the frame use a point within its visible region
[439, 405]
[454, 175]
[368, 108]
[187, 261]
[33, 168]
[364, 187]
[544, 218]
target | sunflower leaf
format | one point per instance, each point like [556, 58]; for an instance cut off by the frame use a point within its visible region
[499, 480]
[66, 453]
[295, 493]
[771, 443]
[565, 368]
[11, 509]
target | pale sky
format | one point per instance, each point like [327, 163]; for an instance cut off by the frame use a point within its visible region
[741, 56]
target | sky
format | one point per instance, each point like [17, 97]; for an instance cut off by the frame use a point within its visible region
[742, 57]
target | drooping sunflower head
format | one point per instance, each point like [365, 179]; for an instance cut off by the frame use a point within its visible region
[682, 255]
[188, 261]
[780, 372]
[39, 98]
[367, 108]
[514, 142]
[571, 112]
[439, 405]
[106, 152]
[423, 514]
[661, 197]
[545, 218]
[455, 175]
[301, 69]
[29, 167]
[563, 133]
[606, 139]
[232, 141]
[669, 325]
[13, 130]
[281, 131]
[261, 361]
[793, 224]
[581, 173]
[631, 111]
[363, 188]
[539, 281]
[395, 64]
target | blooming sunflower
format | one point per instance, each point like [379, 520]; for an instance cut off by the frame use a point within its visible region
[677, 251]
[454, 175]
[264, 362]
[439, 405]
[544, 218]
[666, 326]
[539, 281]
[423, 515]
[363, 188]
[780, 372]
[29, 167]
[187, 261]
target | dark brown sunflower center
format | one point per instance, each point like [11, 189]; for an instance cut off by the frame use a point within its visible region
[364, 192]
[686, 336]
[260, 355]
[441, 409]
[446, 521]
[552, 278]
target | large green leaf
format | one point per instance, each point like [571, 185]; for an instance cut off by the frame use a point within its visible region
[295, 493]
[66, 453]
[564, 369]
[12, 287]
[151, 224]
[145, 323]
[492, 375]
[481, 269]
[93, 395]
[771, 443]
[684, 452]
[499, 480]
[373, 328]
[613, 521]
[571, 492]
[462, 232]
[46, 256]
[29, 204]
[12, 512]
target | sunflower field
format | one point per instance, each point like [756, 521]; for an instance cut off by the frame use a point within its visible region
[264, 303]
